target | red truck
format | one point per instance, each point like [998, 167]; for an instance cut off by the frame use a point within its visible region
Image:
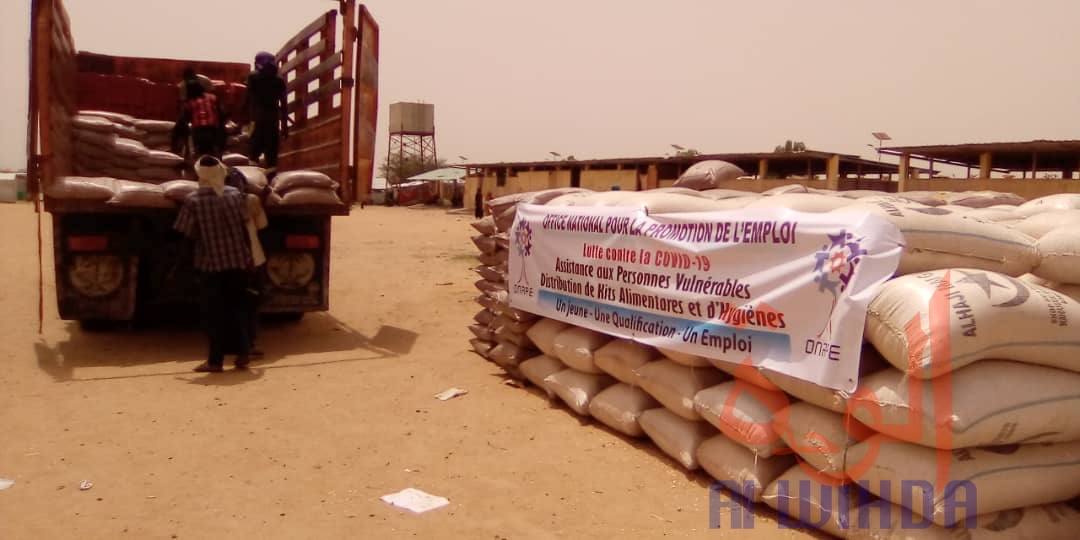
[112, 263]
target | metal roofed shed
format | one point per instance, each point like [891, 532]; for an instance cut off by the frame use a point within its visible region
[995, 166]
[1002, 157]
[445, 186]
[445, 173]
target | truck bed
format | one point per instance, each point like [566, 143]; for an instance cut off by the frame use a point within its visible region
[77, 206]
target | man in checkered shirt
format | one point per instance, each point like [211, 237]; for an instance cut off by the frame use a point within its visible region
[214, 217]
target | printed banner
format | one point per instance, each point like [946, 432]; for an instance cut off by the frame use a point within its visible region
[788, 290]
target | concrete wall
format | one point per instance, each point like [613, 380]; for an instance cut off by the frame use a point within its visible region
[1028, 189]
[602, 180]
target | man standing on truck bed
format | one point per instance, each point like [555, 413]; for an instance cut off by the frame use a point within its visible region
[266, 104]
[207, 120]
[215, 218]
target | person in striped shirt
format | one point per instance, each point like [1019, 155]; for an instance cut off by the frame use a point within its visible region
[215, 218]
[207, 120]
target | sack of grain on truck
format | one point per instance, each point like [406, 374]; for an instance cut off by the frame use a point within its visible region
[288, 181]
[179, 190]
[140, 195]
[82, 188]
[233, 159]
[982, 315]
[116, 118]
[306, 196]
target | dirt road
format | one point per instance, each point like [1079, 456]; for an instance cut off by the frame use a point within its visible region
[339, 413]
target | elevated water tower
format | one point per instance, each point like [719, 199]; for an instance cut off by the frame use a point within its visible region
[412, 132]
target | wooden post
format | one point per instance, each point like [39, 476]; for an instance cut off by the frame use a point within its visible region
[652, 178]
[832, 173]
[905, 170]
[350, 178]
[762, 168]
[1034, 165]
[985, 161]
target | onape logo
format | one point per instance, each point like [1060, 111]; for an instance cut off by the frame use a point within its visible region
[834, 266]
[523, 243]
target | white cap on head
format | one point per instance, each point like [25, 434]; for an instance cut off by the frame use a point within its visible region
[211, 173]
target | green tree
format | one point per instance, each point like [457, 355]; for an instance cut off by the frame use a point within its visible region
[790, 146]
[397, 170]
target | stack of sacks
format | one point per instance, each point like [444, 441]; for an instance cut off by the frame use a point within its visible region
[1011, 364]
[1053, 221]
[233, 159]
[708, 174]
[303, 188]
[114, 147]
[82, 188]
[238, 141]
[501, 334]
[983, 379]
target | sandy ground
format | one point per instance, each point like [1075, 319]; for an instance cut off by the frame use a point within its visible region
[339, 413]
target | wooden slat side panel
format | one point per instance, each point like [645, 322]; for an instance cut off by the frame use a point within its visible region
[160, 70]
[316, 133]
[327, 153]
[317, 123]
[63, 60]
[347, 170]
[304, 57]
[330, 61]
[301, 105]
[310, 30]
[367, 102]
[324, 71]
[53, 103]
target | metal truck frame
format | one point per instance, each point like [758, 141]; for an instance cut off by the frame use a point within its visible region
[112, 263]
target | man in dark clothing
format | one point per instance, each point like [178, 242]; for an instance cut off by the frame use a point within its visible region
[214, 217]
[266, 105]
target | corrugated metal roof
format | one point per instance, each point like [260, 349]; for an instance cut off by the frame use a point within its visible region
[1014, 156]
[748, 161]
[446, 173]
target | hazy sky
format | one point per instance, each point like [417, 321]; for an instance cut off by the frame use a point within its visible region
[514, 80]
